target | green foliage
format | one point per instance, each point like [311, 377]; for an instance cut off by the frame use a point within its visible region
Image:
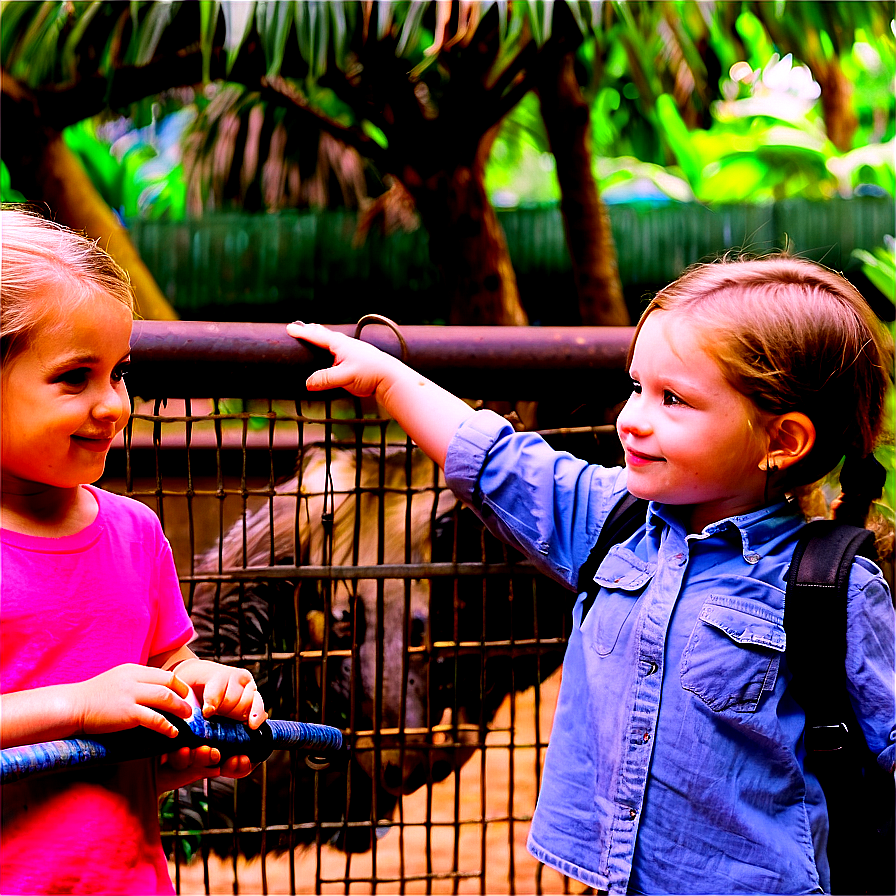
[133, 175]
[7, 192]
[764, 136]
[879, 267]
[701, 101]
[171, 818]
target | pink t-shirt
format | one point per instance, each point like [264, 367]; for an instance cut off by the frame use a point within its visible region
[71, 608]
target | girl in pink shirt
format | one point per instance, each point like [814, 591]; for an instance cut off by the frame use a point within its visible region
[93, 630]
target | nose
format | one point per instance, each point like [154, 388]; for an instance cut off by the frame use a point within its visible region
[632, 418]
[112, 404]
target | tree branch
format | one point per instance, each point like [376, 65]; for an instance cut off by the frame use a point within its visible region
[281, 90]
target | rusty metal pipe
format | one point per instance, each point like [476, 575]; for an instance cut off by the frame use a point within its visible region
[180, 359]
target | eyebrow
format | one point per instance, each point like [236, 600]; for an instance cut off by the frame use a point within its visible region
[81, 361]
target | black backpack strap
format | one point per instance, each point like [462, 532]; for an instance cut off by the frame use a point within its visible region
[622, 522]
[815, 623]
[861, 846]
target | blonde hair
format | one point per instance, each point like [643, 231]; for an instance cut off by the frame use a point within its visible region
[792, 335]
[46, 269]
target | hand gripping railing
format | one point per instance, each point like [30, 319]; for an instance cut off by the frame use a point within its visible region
[229, 737]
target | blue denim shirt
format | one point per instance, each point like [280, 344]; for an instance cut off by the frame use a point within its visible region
[675, 763]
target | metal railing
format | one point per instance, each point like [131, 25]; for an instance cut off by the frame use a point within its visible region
[317, 547]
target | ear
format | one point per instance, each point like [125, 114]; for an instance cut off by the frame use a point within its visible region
[791, 438]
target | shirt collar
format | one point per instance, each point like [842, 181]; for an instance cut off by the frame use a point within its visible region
[757, 529]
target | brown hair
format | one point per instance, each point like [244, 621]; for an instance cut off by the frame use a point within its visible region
[46, 261]
[792, 335]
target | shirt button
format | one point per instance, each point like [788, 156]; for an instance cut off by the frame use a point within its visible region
[632, 814]
[752, 558]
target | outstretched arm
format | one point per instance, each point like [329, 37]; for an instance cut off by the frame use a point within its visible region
[429, 414]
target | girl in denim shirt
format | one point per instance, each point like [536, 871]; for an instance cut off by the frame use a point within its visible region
[676, 761]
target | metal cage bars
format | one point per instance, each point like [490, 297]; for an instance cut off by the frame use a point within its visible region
[270, 505]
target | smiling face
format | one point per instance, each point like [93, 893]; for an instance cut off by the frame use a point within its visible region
[64, 398]
[690, 438]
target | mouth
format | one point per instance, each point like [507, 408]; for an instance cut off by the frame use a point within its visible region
[98, 444]
[639, 459]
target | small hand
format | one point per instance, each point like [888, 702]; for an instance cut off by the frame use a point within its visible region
[358, 367]
[184, 766]
[224, 691]
[127, 696]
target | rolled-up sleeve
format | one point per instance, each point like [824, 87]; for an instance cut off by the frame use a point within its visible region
[548, 504]
[871, 659]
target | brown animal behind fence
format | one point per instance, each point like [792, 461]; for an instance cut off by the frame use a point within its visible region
[415, 666]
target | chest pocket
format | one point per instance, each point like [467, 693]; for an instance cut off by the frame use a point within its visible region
[622, 577]
[733, 653]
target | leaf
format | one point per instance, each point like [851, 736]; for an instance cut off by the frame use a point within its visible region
[678, 137]
[69, 54]
[208, 22]
[383, 18]
[13, 15]
[578, 13]
[880, 268]
[7, 192]
[38, 44]
[410, 30]
[238, 17]
[540, 12]
[339, 29]
[272, 19]
[151, 30]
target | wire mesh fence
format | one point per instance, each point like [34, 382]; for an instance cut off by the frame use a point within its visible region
[320, 549]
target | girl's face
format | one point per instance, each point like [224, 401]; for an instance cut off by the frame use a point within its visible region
[690, 438]
[64, 399]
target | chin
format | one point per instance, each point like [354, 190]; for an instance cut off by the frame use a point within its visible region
[640, 490]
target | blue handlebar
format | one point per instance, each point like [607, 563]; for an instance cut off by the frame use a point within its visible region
[230, 737]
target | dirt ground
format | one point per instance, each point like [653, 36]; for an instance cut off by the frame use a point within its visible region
[491, 856]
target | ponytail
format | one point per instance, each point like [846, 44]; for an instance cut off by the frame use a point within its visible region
[861, 483]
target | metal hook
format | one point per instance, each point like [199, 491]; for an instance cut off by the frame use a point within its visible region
[381, 319]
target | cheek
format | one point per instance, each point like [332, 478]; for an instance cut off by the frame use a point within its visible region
[125, 407]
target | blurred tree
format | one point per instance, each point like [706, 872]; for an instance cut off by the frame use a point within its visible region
[423, 87]
[822, 35]
[345, 99]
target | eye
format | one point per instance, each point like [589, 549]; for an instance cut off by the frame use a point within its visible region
[121, 371]
[75, 377]
[636, 387]
[671, 399]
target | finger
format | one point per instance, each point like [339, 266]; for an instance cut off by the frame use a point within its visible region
[236, 767]
[152, 720]
[213, 695]
[167, 699]
[313, 333]
[321, 380]
[257, 714]
[237, 701]
[179, 759]
[153, 700]
[180, 687]
[207, 757]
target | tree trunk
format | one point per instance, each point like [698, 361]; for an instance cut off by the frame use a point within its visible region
[592, 251]
[836, 102]
[467, 243]
[45, 170]
[75, 202]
